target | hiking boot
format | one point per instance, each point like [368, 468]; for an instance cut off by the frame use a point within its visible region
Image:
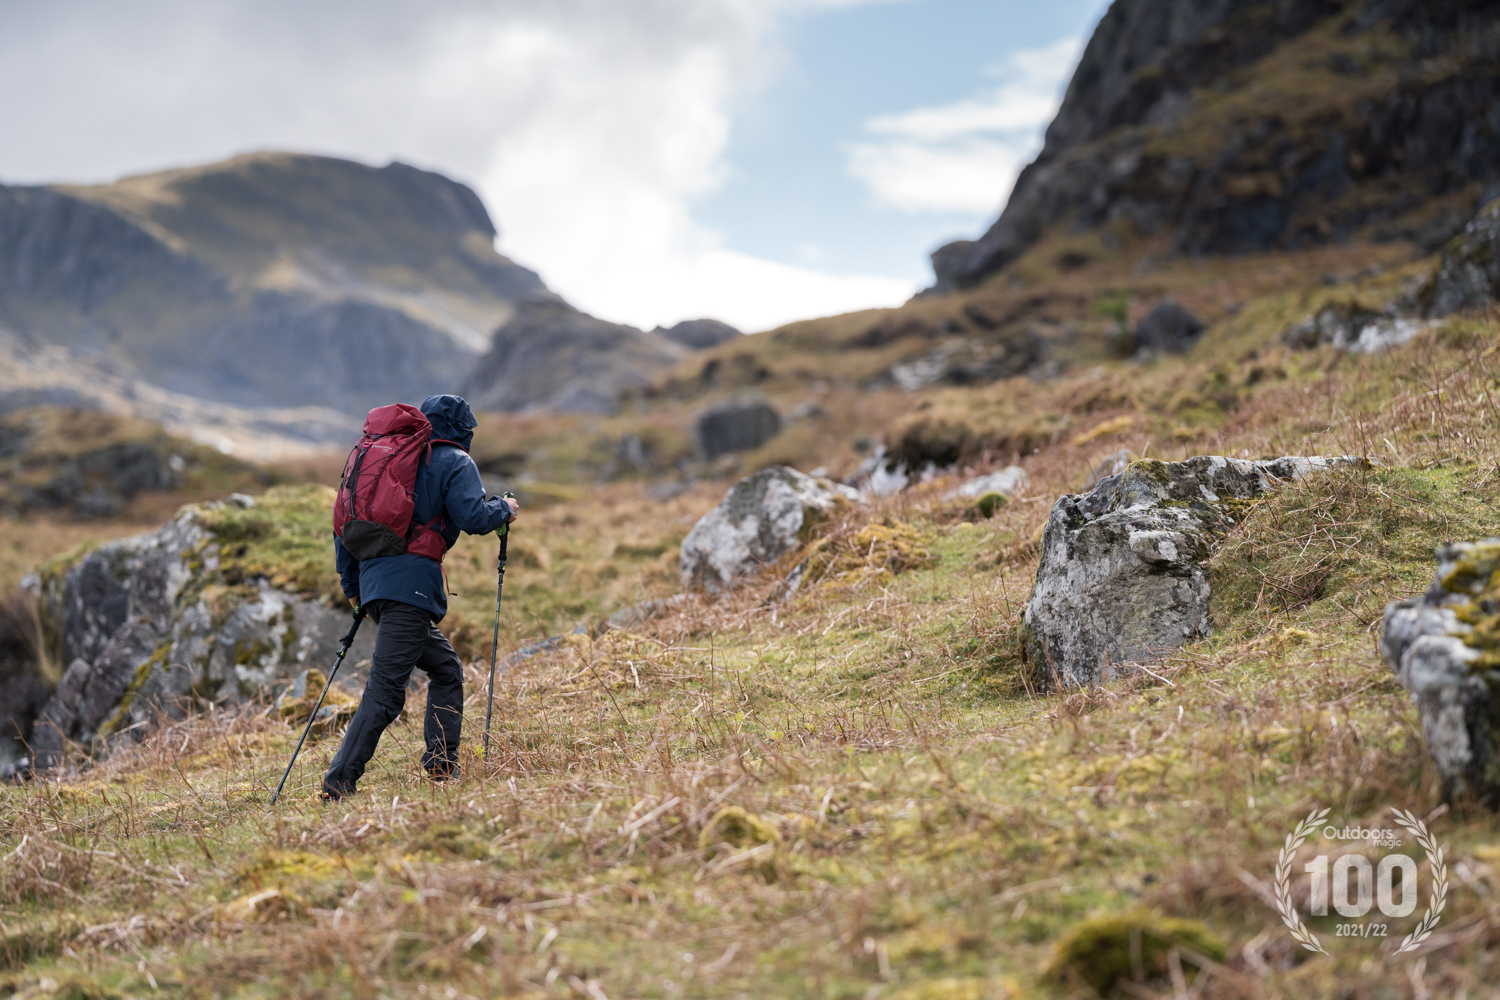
[331, 794]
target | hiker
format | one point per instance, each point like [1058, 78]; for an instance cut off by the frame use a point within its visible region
[406, 594]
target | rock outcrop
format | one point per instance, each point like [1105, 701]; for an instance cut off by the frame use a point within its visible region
[735, 426]
[1444, 645]
[1168, 329]
[1469, 275]
[271, 279]
[972, 361]
[151, 626]
[1350, 327]
[1008, 482]
[551, 356]
[761, 519]
[1232, 126]
[1122, 577]
[698, 334]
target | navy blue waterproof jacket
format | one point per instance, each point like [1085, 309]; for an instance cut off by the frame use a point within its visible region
[447, 484]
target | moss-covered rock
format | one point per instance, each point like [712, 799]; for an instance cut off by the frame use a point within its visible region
[1131, 946]
[761, 519]
[1444, 645]
[1123, 576]
[225, 602]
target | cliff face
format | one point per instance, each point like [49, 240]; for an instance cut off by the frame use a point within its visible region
[268, 280]
[1228, 126]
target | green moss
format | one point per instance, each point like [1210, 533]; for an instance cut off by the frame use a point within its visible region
[1131, 946]
[272, 868]
[247, 651]
[737, 828]
[450, 840]
[121, 715]
[286, 539]
[987, 505]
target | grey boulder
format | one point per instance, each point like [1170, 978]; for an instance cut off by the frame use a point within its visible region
[1469, 275]
[150, 629]
[762, 518]
[1441, 646]
[1168, 328]
[1122, 577]
[1008, 482]
[735, 426]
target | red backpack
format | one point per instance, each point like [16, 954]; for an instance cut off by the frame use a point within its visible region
[377, 492]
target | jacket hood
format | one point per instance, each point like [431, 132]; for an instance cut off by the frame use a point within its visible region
[451, 418]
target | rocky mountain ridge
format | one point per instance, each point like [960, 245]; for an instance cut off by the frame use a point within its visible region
[277, 281]
[270, 279]
[1239, 126]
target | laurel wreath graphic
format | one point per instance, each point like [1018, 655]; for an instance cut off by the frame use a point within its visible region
[1289, 914]
[1439, 899]
[1405, 820]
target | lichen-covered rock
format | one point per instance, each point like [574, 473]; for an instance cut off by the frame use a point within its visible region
[150, 627]
[89, 691]
[1351, 327]
[1122, 577]
[1008, 482]
[761, 519]
[1469, 276]
[1444, 645]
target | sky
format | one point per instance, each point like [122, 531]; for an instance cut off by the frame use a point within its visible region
[756, 161]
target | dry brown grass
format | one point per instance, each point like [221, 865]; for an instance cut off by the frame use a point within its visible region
[939, 825]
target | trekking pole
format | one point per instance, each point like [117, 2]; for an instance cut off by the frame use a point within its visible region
[348, 640]
[495, 639]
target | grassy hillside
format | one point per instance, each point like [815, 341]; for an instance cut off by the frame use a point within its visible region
[826, 374]
[854, 792]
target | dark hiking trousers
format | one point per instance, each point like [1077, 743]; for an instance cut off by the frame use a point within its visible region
[407, 638]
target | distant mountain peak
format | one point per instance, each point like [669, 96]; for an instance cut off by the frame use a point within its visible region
[272, 278]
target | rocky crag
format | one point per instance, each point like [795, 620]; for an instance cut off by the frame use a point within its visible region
[1239, 126]
[227, 602]
[1123, 577]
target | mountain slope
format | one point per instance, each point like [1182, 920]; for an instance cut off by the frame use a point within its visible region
[1238, 125]
[269, 279]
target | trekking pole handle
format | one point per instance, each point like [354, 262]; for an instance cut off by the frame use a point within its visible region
[505, 528]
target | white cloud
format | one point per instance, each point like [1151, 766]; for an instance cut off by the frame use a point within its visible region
[588, 126]
[964, 156]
